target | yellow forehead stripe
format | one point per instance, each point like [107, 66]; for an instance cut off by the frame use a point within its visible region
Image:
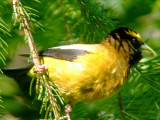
[134, 34]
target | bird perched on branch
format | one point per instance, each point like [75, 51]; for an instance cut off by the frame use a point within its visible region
[88, 72]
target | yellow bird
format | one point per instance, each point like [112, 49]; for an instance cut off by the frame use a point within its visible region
[88, 72]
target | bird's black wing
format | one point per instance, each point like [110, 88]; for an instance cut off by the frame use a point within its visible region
[21, 60]
[63, 54]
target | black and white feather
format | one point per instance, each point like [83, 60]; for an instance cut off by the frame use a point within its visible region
[67, 52]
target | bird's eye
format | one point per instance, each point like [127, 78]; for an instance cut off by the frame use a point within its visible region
[135, 39]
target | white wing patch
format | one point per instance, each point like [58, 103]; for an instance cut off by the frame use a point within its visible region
[87, 47]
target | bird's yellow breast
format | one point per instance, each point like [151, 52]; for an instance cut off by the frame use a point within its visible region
[91, 76]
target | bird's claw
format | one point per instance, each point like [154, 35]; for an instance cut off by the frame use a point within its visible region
[68, 110]
[41, 69]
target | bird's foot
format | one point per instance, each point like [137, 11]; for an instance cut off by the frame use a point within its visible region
[41, 69]
[68, 110]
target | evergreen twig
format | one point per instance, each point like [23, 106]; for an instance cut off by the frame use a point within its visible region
[120, 105]
[95, 15]
[42, 79]
[4, 29]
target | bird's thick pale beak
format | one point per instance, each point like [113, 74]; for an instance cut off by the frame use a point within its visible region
[145, 47]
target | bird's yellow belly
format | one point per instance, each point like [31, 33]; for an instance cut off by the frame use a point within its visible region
[90, 77]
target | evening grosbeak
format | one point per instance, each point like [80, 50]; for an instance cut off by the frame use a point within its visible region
[89, 72]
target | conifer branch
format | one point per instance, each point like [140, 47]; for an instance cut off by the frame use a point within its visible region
[95, 15]
[42, 78]
[120, 105]
[3, 44]
[4, 30]
[27, 31]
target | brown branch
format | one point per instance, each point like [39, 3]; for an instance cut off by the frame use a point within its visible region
[30, 40]
[21, 14]
[27, 32]
[14, 8]
[120, 105]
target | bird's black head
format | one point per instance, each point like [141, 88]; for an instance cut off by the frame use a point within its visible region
[130, 41]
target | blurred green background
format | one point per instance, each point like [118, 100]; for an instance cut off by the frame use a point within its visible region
[140, 99]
